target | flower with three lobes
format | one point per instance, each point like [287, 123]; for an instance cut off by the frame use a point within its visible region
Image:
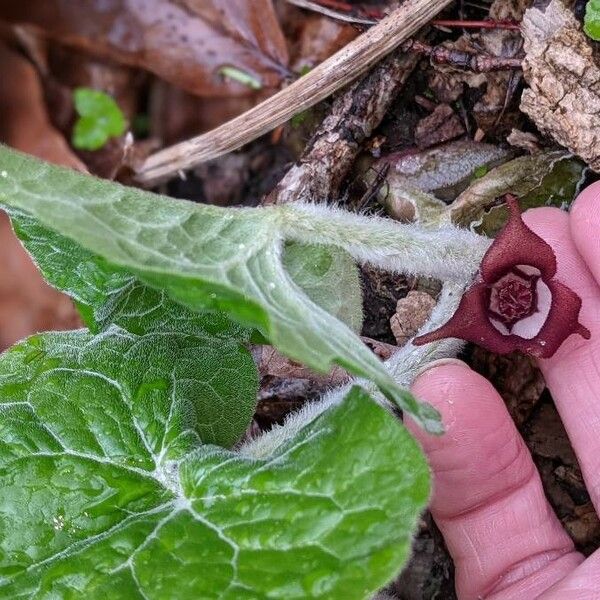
[515, 303]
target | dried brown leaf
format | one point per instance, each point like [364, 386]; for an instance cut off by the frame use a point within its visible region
[564, 77]
[25, 124]
[27, 303]
[272, 363]
[186, 42]
[549, 178]
[176, 114]
[315, 37]
[502, 10]
[444, 171]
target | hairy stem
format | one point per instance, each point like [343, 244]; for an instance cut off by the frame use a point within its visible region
[447, 253]
[404, 366]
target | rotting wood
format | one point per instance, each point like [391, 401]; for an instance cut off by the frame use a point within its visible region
[331, 75]
[330, 154]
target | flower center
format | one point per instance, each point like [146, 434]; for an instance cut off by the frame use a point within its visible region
[513, 297]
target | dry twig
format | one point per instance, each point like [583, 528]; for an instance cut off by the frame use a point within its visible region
[478, 63]
[334, 14]
[331, 75]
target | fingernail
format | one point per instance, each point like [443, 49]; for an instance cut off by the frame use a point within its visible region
[441, 362]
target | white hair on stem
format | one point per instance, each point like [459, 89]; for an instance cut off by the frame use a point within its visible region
[446, 253]
[403, 365]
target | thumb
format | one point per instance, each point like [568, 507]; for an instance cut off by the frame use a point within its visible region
[488, 501]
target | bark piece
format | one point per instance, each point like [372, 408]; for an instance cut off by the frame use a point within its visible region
[564, 78]
[330, 154]
[442, 125]
[525, 140]
[411, 314]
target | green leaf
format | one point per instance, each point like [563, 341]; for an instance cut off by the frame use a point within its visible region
[591, 21]
[210, 258]
[329, 278]
[106, 490]
[100, 118]
[106, 295]
[209, 387]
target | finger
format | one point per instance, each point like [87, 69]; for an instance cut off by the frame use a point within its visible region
[573, 373]
[488, 501]
[585, 226]
[582, 584]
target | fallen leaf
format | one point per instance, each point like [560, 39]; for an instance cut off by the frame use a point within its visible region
[186, 42]
[444, 171]
[27, 303]
[547, 179]
[561, 69]
[175, 114]
[313, 37]
[410, 205]
[271, 362]
[69, 70]
[25, 124]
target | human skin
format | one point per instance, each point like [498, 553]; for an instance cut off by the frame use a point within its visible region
[488, 500]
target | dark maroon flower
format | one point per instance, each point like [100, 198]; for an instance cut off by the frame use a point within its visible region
[515, 304]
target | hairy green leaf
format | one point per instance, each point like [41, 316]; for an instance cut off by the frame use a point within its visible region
[209, 386]
[107, 491]
[230, 260]
[107, 295]
[329, 278]
[100, 118]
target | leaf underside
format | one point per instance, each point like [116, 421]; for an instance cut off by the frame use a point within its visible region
[204, 257]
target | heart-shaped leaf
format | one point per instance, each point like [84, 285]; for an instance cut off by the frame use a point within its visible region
[107, 491]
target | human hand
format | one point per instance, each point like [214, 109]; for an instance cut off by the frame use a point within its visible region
[504, 538]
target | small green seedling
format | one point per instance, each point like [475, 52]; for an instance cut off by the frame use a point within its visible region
[100, 119]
